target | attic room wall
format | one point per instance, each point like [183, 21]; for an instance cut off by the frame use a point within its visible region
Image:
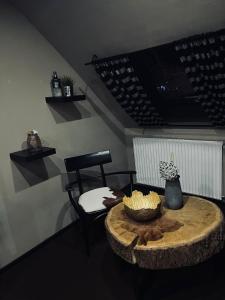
[78, 29]
[33, 205]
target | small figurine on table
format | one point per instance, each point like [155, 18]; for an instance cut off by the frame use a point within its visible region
[33, 141]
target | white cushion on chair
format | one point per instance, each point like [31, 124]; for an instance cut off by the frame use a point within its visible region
[92, 200]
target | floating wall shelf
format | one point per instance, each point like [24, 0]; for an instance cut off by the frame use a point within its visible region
[65, 99]
[27, 155]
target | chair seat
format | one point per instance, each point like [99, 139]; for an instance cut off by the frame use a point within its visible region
[93, 200]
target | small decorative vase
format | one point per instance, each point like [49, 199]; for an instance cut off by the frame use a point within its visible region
[173, 194]
[68, 91]
[33, 141]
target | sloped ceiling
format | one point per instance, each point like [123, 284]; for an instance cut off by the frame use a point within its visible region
[78, 29]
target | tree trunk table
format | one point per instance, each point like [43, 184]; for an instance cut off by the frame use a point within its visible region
[200, 236]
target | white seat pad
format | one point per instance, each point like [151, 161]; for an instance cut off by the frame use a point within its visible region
[92, 200]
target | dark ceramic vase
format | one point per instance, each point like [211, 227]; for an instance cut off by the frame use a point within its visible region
[173, 194]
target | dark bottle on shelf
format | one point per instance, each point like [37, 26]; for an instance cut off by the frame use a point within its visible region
[56, 85]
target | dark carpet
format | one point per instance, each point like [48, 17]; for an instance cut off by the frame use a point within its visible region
[60, 270]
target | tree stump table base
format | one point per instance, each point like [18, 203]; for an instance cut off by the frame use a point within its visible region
[200, 237]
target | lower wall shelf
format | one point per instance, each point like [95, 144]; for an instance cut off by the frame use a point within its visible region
[30, 155]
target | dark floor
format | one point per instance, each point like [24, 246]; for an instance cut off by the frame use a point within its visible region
[60, 270]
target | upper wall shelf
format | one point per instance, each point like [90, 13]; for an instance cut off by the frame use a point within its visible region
[28, 155]
[65, 99]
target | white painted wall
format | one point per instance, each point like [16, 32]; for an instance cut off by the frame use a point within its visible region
[33, 205]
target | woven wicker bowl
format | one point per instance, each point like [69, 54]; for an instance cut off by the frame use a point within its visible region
[144, 214]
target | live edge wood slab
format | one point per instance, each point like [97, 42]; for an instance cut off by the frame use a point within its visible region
[200, 237]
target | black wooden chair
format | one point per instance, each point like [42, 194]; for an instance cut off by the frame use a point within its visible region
[89, 206]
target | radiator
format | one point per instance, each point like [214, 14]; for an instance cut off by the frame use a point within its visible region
[199, 163]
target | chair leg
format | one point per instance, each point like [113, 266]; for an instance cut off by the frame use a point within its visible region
[85, 231]
[131, 183]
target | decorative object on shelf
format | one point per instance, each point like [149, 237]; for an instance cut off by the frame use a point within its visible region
[56, 85]
[173, 192]
[142, 208]
[67, 86]
[33, 141]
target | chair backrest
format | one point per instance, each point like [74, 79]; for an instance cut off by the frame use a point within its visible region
[76, 163]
